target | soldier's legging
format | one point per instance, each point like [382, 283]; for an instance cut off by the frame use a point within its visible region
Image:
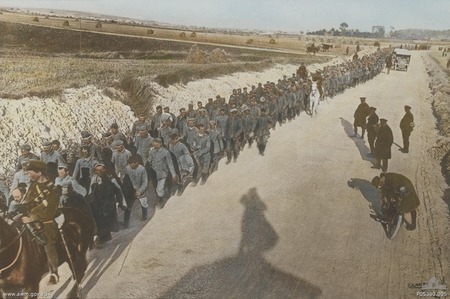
[233, 148]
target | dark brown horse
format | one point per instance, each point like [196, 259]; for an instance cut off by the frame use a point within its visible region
[23, 262]
[312, 49]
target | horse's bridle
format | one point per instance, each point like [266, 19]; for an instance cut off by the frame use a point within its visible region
[3, 249]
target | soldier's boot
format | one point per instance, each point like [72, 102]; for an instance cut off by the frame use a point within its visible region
[144, 213]
[52, 258]
[355, 131]
[263, 149]
[363, 132]
[229, 156]
[204, 178]
[412, 225]
[126, 218]
[37, 231]
[160, 202]
[260, 149]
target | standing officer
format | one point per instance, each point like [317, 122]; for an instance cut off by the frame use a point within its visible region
[372, 128]
[360, 117]
[406, 126]
[383, 145]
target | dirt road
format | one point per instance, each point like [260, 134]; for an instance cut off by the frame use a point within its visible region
[294, 223]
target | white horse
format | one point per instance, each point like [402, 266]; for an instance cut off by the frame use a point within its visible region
[314, 99]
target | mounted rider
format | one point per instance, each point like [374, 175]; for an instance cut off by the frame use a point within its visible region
[42, 200]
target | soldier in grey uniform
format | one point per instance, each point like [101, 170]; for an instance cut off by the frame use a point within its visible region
[249, 123]
[120, 158]
[201, 147]
[142, 120]
[139, 180]
[190, 133]
[161, 162]
[184, 158]
[21, 176]
[164, 131]
[94, 149]
[116, 135]
[51, 158]
[25, 153]
[156, 121]
[84, 167]
[262, 131]
[202, 118]
[216, 140]
[222, 123]
[143, 143]
[108, 140]
[65, 180]
[233, 135]
[182, 121]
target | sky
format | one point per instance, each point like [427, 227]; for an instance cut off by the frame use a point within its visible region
[273, 15]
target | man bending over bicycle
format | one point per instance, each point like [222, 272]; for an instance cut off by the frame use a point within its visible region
[396, 188]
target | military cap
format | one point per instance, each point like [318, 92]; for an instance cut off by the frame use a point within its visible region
[63, 165]
[158, 140]
[142, 128]
[191, 105]
[106, 135]
[245, 108]
[118, 143]
[407, 107]
[46, 143]
[25, 161]
[37, 166]
[383, 120]
[373, 108]
[362, 98]
[85, 135]
[25, 147]
[114, 126]
[174, 131]
[212, 122]
[233, 110]
[191, 119]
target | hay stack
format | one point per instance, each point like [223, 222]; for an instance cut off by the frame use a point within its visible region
[249, 41]
[150, 31]
[66, 23]
[182, 34]
[98, 25]
[218, 56]
[272, 41]
[196, 55]
[35, 19]
[193, 34]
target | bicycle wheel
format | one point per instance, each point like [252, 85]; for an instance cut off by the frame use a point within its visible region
[393, 225]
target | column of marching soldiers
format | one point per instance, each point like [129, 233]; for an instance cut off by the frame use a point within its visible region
[165, 153]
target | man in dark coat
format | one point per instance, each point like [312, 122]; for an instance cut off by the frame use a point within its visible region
[395, 186]
[383, 145]
[406, 126]
[360, 117]
[372, 128]
[105, 193]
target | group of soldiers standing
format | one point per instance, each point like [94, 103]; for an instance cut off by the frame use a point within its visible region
[165, 153]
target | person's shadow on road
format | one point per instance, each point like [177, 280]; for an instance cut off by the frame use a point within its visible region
[248, 274]
[360, 143]
[370, 192]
